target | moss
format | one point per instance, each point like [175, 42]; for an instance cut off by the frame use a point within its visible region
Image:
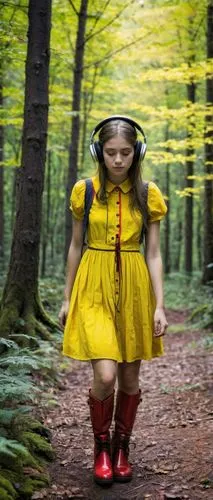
[37, 444]
[4, 495]
[39, 428]
[6, 485]
[30, 486]
[12, 476]
[23, 422]
[25, 485]
[198, 312]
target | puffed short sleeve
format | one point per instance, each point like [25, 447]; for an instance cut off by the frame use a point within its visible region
[77, 200]
[156, 205]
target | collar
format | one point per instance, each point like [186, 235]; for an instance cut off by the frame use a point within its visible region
[125, 186]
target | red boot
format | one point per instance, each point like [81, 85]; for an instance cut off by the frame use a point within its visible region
[101, 417]
[125, 413]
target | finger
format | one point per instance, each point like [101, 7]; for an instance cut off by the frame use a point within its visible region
[157, 327]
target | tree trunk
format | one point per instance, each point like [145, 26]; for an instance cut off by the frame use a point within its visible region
[167, 259]
[191, 88]
[208, 188]
[75, 129]
[46, 218]
[167, 266]
[1, 181]
[21, 305]
[199, 237]
[176, 264]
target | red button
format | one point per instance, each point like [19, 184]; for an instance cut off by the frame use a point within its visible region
[118, 225]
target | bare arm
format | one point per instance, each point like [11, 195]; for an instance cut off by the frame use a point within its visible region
[154, 264]
[73, 261]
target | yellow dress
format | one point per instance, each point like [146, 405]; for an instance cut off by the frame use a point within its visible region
[112, 303]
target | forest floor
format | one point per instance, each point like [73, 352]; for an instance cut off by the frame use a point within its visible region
[171, 448]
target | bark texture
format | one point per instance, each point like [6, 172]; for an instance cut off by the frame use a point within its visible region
[208, 189]
[1, 178]
[75, 129]
[20, 296]
[191, 88]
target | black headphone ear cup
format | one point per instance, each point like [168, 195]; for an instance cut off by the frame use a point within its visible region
[98, 151]
[143, 150]
[137, 154]
[140, 151]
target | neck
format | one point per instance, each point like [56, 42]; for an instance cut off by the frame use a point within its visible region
[117, 180]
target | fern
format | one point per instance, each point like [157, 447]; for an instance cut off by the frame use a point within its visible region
[7, 415]
[9, 343]
[11, 449]
[15, 388]
[24, 361]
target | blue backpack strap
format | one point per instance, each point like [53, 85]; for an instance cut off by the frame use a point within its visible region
[88, 199]
[143, 230]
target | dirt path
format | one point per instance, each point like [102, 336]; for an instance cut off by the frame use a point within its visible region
[171, 447]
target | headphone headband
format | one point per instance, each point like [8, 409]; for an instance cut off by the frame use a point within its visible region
[96, 148]
[117, 117]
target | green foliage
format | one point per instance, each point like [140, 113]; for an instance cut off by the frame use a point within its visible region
[10, 449]
[203, 315]
[38, 445]
[24, 440]
[16, 388]
[6, 489]
[178, 286]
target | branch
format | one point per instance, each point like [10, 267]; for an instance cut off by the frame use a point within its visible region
[110, 22]
[198, 28]
[70, 42]
[73, 6]
[98, 17]
[113, 53]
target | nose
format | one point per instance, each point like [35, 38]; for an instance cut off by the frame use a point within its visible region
[118, 159]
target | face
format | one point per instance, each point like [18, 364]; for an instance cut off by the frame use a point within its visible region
[118, 156]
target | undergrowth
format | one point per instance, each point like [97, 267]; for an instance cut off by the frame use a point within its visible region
[28, 377]
[27, 380]
[187, 293]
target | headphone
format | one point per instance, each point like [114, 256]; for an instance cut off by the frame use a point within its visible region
[96, 148]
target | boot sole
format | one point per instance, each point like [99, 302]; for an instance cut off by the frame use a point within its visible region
[103, 482]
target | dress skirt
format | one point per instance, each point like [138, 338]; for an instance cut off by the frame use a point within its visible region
[111, 314]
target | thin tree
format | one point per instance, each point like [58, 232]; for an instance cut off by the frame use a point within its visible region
[189, 183]
[75, 127]
[21, 306]
[208, 188]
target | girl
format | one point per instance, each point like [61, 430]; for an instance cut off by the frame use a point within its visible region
[113, 306]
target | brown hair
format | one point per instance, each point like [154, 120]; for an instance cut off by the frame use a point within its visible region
[137, 193]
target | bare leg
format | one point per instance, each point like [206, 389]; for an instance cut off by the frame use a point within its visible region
[128, 377]
[105, 372]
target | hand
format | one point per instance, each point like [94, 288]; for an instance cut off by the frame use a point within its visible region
[62, 317]
[160, 322]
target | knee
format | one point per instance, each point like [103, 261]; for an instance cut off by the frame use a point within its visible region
[128, 382]
[106, 379]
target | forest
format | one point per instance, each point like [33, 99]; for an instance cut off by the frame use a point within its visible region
[65, 66]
